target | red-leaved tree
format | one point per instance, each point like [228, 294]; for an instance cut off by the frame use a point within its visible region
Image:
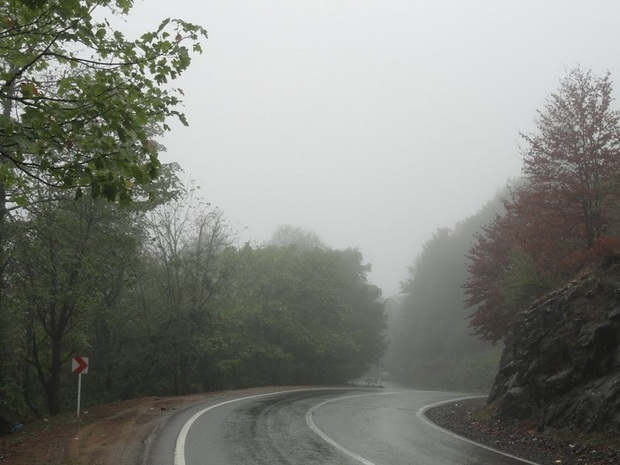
[562, 216]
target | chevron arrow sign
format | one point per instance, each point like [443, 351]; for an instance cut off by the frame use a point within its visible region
[79, 365]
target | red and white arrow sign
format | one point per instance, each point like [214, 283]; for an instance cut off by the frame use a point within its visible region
[79, 365]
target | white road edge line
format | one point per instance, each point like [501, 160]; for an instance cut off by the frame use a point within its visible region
[329, 440]
[421, 415]
[179, 449]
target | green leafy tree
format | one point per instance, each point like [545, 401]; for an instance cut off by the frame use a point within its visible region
[70, 259]
[366, 318]
[431, 345]
[12, 379]
[301, 315]
[80, 101]
[186, 250]
[80, 106]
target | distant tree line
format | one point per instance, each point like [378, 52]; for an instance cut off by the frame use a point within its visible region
[431, 345]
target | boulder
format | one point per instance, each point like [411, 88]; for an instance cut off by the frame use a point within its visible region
[594, 406]
[560, 361]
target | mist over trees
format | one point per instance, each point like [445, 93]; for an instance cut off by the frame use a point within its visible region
[105, 253]
[563, 216]
[431, 345]
[560, 218]
[287, 235]
[302, 316]
[166, 302]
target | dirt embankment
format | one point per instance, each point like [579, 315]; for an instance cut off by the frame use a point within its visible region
[110, 434]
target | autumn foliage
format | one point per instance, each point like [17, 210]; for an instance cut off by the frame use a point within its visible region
[562, 216]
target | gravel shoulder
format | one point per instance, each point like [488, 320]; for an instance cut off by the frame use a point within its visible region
[473, 419]
[118, 434]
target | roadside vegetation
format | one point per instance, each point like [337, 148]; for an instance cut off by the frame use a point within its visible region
[165, 301]
[108, 254]
[559, 219]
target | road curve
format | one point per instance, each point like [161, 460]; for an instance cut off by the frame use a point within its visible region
[320, 427]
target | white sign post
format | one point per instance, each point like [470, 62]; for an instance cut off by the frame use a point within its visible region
[79, 366]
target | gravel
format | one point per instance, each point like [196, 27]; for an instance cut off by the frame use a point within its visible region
[473, 419]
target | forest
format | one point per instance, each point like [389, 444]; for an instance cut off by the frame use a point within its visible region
[164, 302]
[105, 252]
[558, 220]
[431, 343]
[109, 254]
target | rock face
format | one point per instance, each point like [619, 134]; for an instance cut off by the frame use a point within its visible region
[561, 360]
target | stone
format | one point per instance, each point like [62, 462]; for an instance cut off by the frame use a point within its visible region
[560, 362]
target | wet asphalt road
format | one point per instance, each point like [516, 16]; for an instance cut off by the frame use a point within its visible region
[318, 427]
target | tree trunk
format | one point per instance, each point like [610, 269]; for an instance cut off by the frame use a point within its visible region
[52, 383]
[5, 323]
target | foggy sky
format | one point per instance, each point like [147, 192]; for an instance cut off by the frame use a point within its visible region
[371, 123]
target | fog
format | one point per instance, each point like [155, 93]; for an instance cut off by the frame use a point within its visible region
[370, 123]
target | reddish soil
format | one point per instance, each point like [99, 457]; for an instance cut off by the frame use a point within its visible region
[110, 434]
[117, 434]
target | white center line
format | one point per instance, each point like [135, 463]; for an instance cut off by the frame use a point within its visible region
[329, 440]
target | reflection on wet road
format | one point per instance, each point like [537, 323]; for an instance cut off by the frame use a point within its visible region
[320, 427]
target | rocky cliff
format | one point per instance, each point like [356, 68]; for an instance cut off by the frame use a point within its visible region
[561, 361]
